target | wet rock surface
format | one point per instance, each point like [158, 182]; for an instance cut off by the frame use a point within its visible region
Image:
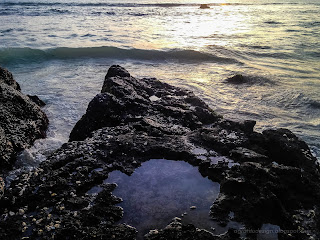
[21, 120]
[177, 230]
[265, 178]
[236, 79]
[37, 100]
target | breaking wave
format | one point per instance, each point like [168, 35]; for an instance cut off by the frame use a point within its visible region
[23, 55]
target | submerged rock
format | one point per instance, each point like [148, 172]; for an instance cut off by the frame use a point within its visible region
[204, 6]
[273, 177]
[236, 79]
[21, 120]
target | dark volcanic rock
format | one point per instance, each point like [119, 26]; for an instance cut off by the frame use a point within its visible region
[178, 231]
[7, 78]
[236, 79]
[37, 100]
[125, 99]
[204, 6]
[268, 177]
[21, 120]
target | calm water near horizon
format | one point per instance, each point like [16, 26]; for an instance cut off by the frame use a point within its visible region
[60, 50]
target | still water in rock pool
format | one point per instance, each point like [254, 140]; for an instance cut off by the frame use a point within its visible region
[160, 190]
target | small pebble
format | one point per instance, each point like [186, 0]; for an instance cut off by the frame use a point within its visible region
[21, 211]
[176, 219]
[193, 207]
[153, 231]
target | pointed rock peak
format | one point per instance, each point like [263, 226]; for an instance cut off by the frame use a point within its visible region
[116, 70]
[7, 78]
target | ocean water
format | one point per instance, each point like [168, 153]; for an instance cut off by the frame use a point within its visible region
[60, 50]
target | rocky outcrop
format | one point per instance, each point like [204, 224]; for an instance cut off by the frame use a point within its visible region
[125, 99]
[178, 231]
[236, 79]
[21, 120]
[36, 100]
[204, 6]
[269, 177]
[7, 78]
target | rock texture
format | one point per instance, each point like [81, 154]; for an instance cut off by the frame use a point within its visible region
[268, 177]
[125, 100]
[236, 79]
[177, 230]
[1, 187]
[21, 120]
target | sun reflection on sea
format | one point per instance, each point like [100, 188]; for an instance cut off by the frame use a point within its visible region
[194, 27]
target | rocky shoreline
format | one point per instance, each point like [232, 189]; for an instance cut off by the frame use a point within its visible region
[265, 178]
[21, 120]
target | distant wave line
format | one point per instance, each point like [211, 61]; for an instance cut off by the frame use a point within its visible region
[102, 4]
[25, 55]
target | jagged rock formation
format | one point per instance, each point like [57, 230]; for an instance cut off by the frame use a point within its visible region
[21, 120]
[268, 177]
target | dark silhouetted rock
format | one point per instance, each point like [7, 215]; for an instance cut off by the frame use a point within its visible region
[286, 148]
[7, 78]
[125, 99]
[37, 100]
[21, 120]
[268, 177]
[236, 79]
[248, 125]
[117, 71]
[204, 6]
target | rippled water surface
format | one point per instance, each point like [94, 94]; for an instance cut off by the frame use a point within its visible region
[61, 50]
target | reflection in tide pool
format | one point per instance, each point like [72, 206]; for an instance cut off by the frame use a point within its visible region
[163, 189]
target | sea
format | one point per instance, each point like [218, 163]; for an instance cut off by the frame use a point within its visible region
[61, 50]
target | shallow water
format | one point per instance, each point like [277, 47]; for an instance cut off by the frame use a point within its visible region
[160, 190]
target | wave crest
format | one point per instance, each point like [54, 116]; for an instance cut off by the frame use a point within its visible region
[21, 55]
